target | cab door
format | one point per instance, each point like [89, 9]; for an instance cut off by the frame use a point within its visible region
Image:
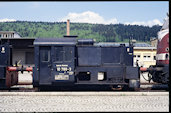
[45, 65]
[64, 64]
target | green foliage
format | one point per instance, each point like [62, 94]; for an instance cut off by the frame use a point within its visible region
[100, 32]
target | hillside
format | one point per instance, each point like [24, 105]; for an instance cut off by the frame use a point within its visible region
[100, 32]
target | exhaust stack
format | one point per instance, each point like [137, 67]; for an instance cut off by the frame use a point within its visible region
[68, 31]
[68, 27]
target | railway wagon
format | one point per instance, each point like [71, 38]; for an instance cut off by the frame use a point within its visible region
[74, 62]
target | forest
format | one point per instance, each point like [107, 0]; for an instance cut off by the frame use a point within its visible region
[99, 32]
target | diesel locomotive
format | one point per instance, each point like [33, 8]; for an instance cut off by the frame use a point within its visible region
[160, 72]
[71, 62]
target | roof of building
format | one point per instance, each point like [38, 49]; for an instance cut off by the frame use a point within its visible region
[23, 38]
[10, 32]
[7, 31]
[142, 45]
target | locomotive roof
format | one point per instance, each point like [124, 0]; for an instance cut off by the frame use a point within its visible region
[74, 41]
[118, 44]
[55, 41]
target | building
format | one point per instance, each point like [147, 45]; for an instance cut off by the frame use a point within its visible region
[153, 41]
[144, 55]
[9, 34]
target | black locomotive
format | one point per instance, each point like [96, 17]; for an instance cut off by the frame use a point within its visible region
[71, 62]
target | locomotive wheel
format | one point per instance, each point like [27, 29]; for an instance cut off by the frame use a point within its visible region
[116, 87]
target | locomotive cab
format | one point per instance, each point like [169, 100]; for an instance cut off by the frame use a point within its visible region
[54, 61]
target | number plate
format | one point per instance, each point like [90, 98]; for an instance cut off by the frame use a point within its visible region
[61, 77]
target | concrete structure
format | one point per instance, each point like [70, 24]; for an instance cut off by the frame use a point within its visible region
[84, 101]
[9, 34]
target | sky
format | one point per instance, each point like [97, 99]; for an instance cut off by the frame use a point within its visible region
[100, 12]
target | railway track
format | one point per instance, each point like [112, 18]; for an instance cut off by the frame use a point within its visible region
[153, 87]
[144, 87]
